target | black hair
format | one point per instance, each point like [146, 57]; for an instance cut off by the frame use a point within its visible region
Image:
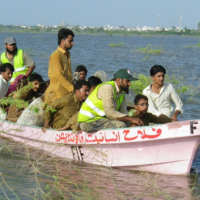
[94, 81]
[79, 83]
[80, 68]
[139, 97]
[35, 77]
[157, 68]
[63, 34]
[6, 66]
[23, 82]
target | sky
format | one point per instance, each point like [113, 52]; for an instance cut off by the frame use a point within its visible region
[129, 13]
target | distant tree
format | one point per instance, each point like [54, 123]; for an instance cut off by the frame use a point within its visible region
[198, 26]
[186, 30]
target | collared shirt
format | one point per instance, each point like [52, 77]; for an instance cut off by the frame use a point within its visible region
[106, 94]
[3, 87]
[65, 107]
[28, 61]
[60, 75]
[160, 103]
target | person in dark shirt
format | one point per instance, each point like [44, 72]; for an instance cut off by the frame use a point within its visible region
[28, 94]
[141, 107]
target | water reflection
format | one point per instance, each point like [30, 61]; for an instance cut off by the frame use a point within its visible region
[27, 173]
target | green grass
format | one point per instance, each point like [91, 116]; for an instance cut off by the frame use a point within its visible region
[121, 44]
[149, 49]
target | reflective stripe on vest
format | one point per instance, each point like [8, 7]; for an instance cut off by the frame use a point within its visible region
[18, 63]
[92, 108]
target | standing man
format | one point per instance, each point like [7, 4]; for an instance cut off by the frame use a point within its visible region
[21, 61]
[60, 72]
[106, 107]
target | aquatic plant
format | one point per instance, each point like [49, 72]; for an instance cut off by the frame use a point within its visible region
[179, 83]
[116, 44]
[149, 49]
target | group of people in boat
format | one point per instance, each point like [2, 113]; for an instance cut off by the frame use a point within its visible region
[70, 102]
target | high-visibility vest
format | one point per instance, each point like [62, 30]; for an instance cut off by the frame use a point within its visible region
[92, 108]
[18, 63]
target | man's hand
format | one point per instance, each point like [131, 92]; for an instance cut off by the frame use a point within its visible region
[46, 125]
[44, 129]
[137, 121]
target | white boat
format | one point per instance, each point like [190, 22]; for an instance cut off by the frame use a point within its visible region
[167, 148]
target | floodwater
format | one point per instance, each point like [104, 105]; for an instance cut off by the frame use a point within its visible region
[28, 174]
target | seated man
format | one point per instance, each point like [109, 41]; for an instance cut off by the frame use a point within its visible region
[80, 73]
[160, 94]
[93, 81]
[141, 107]
[27, 94]
[65, 109]
[6, 74]
[106, 106]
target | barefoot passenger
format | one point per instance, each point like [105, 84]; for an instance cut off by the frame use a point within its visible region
[160, 95]
[106, 106]
[21, 61]
[62, 113]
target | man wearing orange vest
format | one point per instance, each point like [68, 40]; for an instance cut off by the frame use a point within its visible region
[21, 61]
[106, 107]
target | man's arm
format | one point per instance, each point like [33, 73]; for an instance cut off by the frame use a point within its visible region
[133, 120]
[175, 115]
[49, 112]
[176, 99]
[28, 61]
[30, 70]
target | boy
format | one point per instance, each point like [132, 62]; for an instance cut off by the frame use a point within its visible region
[6, 74]
[160, 95]
[141, 106]
[81, 69]
[27, 94]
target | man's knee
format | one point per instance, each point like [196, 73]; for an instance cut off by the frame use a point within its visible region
[121, 124]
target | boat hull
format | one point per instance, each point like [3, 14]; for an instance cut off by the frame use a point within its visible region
[168, 148]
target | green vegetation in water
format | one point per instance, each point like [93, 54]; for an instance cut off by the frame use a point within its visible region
[149, 50]
[192, 46]
[179, 83]
[121, 44]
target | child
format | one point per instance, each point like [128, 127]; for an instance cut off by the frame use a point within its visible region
[141, 106]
